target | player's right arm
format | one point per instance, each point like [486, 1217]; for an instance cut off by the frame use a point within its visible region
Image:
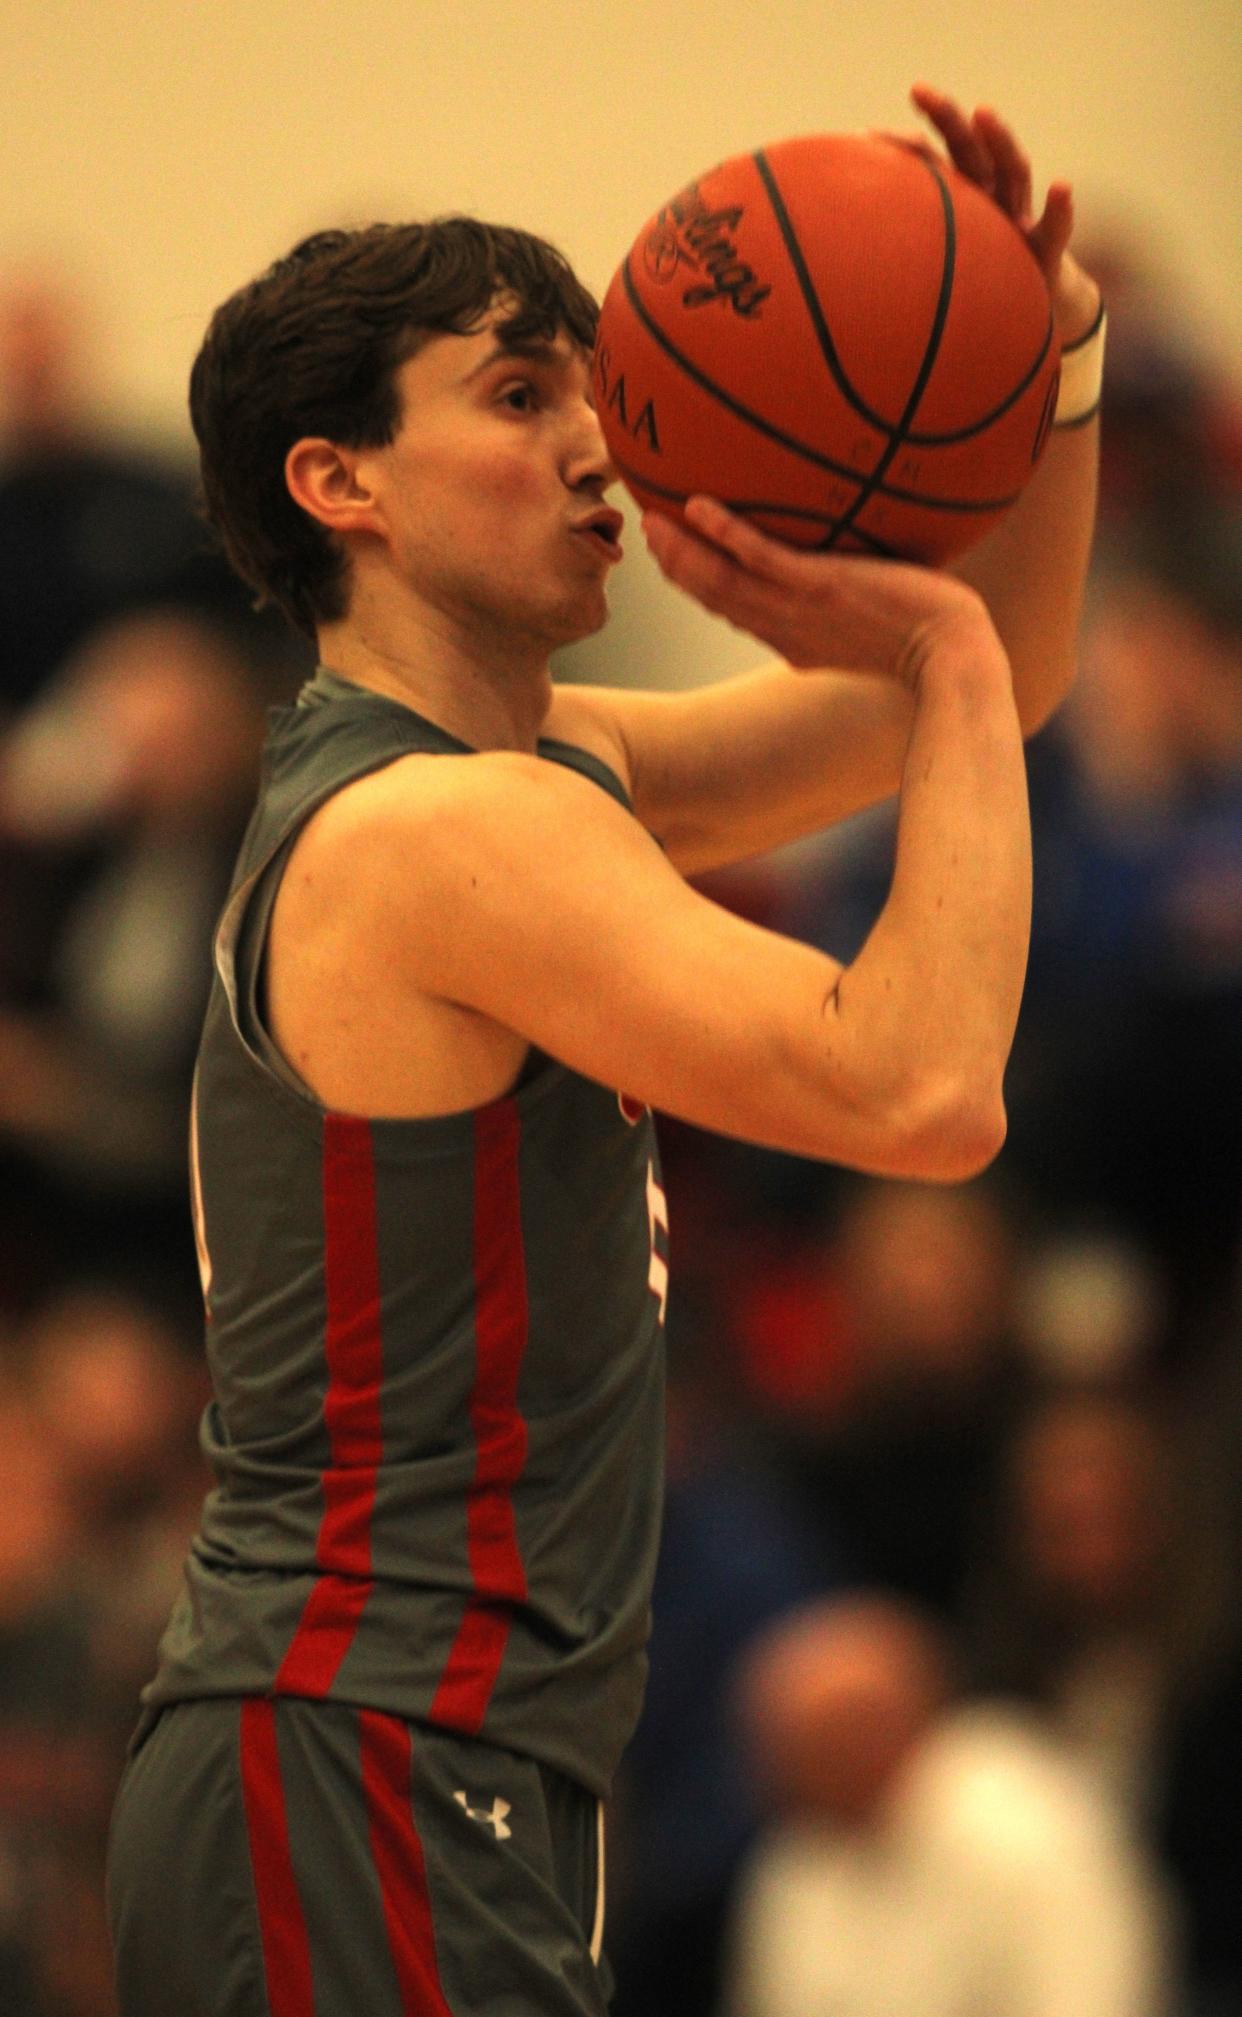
[517, 889]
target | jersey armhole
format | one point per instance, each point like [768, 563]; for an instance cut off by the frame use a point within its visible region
[587, 764]
[243, 947]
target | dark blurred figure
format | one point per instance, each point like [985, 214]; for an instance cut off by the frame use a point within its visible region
[1096, 1601]
[1198, 1817]
[883, 1361]
[1199, 1836]
[733, 1557]
[1110, 1606]
[925, 1858]
[133, 676]
[1172, 415]
[116, 1393]
[91, 527]
[1126, 1077]
[102, 1485]
[123, 794]
[56, 1767]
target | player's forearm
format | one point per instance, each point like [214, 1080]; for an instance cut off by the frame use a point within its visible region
[1031, 570]
[932, 1000]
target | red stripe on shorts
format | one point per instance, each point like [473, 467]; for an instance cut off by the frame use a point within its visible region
[282, 1924]
[501, 1322]
[387, 1771]
[353, 1347]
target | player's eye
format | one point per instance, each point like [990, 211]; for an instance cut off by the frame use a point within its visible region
[521, 396]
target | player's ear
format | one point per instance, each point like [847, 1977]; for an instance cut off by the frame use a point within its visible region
[327, 481]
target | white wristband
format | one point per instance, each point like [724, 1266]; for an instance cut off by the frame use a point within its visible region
[1082, 376]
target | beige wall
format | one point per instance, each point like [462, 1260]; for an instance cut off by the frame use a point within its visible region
[166, 149]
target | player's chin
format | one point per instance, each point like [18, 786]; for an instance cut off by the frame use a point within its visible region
[582, 614]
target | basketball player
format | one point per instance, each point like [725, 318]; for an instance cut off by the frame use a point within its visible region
[460, 966]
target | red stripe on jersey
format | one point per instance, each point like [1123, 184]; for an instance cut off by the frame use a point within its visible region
[387, 1773]
[282, 1923]
[500, 1324]
[353, 1347]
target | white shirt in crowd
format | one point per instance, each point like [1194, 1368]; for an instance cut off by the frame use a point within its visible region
[1001, 1883]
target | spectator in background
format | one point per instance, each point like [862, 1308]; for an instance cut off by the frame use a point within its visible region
[124, 789]
[1199, 1837]
[56, 1771]
[1108, 1604]
[92, 527]
[883, 1358]
[1126, 1077]
[116, 1394]
[99, 1400]
[734, 1556]
[1087, 1606]
[1174, 416]
[1198, 1814]
[133, 676]
[926, 1858]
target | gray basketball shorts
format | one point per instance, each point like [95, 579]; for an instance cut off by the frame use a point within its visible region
[287, 1858]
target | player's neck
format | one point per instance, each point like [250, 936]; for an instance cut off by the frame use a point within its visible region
[492, 692]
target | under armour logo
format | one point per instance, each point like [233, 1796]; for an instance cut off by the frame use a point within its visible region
[495, 1819]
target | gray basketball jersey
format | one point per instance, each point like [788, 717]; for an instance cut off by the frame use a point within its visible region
[436, 1350]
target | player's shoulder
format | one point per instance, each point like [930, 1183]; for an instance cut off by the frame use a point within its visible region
[430, 817]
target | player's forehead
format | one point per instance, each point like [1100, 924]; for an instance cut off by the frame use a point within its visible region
[451, 357]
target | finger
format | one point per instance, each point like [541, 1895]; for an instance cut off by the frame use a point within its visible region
[703, 570]
[741, 540]
[968, 150]
[1049, 238]
[1013, 169]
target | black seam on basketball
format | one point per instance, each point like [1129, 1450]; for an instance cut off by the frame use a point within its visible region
[726, 399]
[746, 505]
[832, 359]
[627, 471]
[810, 297]
[872, 544]
[777, 434]
[898, 438]
[997, 413]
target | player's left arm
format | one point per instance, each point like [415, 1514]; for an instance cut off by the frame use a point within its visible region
[731, 769]
[1031, 569]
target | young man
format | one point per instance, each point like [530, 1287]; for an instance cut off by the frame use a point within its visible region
[459, 968]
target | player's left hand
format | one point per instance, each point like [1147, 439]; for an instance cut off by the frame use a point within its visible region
[983, 147]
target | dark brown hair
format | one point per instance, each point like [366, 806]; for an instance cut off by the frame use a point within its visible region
[312, 347]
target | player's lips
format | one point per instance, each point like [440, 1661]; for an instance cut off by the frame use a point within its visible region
[603, 529]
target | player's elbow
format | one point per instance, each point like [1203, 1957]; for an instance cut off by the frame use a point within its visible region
[950, 1130]
[931, 1127]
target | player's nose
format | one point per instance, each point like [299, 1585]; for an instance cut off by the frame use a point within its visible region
[590, 459]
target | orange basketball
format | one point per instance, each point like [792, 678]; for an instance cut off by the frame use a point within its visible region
[839, 337]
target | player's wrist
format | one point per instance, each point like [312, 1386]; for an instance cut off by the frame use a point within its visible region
[957, 647]
[1075, 302]
[1082, 373]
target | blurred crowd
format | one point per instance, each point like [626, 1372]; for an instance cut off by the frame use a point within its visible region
[945, 1706]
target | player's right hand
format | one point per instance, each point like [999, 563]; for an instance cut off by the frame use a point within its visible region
[817, 610]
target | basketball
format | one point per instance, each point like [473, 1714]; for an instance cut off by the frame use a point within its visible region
[840, 337]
